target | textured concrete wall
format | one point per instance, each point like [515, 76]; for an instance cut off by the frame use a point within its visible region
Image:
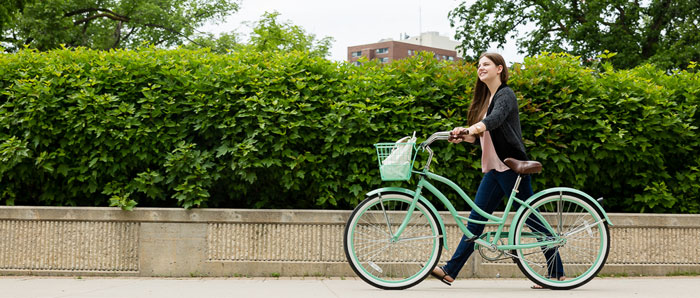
[222, 242]
[68, 246]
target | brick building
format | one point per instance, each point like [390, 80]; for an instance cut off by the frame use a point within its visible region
[389, 50]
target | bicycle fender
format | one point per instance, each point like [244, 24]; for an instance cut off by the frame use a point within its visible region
[536, 196]
[422, 199]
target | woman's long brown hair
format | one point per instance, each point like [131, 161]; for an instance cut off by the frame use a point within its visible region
[480, 103]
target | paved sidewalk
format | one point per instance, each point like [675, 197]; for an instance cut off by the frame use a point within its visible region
[26, 287]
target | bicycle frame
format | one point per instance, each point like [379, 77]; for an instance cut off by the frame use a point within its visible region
[491, 219]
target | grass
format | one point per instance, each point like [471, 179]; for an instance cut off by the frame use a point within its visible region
[683, 273]
[198, 274]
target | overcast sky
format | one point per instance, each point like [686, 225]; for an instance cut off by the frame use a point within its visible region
[354, 22]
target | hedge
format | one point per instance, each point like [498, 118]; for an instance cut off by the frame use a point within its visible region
[190, 128]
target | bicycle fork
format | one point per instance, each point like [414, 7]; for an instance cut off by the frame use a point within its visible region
[396, 236]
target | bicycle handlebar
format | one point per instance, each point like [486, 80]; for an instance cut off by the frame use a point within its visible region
[438, 136]
[441, 136]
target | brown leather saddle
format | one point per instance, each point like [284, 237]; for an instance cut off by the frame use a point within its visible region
[523, 167]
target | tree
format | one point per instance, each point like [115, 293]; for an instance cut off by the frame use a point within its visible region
[9, 9]
[270, 34]
[107, 24]
[223, 44]
[663, 32]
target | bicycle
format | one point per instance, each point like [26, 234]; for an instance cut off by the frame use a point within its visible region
[394, 238]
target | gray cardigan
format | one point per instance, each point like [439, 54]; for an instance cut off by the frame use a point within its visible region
[503, 123]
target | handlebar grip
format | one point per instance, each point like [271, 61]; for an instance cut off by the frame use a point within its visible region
[453, 137]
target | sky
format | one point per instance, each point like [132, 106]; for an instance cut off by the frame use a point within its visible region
[354, 22]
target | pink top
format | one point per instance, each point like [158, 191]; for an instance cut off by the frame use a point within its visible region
[489, 158]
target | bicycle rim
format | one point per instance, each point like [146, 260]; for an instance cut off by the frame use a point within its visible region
[381, 262]
[583, 252]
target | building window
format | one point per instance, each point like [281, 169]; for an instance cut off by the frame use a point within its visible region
[357, 63]
[382, 51]
[450, 58]
[384, 60]
[356, 54]
[411, 52]
[444, 57]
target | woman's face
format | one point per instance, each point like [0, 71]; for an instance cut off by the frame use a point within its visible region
[488, 71]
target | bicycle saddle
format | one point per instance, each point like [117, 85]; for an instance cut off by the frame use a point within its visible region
[523, 167]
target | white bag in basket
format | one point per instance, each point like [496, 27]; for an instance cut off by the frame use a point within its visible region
[398, 161]
[400, 154]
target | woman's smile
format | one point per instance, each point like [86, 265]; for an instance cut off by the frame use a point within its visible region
[487, 70]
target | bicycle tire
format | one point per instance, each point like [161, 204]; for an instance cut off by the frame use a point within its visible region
[385, 264]
[586, 246]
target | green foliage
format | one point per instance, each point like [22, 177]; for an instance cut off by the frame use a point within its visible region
[222, 44]
[9, 10]
[109, 24]
[269, 34]
[123, 202]
[191, 172]
[12, 152]
[662, 32]
[627, 135]
[293, 130]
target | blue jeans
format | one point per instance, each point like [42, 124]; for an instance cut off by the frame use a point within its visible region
[493, 187]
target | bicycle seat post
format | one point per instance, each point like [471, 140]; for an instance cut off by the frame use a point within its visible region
[517, 183]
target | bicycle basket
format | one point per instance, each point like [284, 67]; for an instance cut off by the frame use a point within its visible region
[395, 160]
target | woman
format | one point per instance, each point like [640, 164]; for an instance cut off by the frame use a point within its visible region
[493, 117]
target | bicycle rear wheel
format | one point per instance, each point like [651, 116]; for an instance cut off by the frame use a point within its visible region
[584, 246]
[388, 264]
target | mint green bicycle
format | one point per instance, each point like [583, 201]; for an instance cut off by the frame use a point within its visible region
[394, 238]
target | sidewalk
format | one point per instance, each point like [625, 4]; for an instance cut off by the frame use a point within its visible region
[54, 287]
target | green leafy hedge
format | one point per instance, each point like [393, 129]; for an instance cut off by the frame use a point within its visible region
[251, 130]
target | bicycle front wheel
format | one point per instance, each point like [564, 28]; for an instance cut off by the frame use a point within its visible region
[382, 262]
[583, 241]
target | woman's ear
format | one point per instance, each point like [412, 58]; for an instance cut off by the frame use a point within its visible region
[500, 69]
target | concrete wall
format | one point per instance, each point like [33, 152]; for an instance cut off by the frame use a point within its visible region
[236, 242]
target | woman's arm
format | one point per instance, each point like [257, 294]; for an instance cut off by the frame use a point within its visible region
[469, 138]
[503, 105]
[477, 128]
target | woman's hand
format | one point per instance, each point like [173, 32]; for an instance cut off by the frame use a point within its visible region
[459, 134]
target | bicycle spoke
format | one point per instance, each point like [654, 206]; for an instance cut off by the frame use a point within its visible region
[388, 225]
[417, 238]
[583, 228]
[375, 227]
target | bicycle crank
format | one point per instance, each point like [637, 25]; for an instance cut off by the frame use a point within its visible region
[492, 253]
